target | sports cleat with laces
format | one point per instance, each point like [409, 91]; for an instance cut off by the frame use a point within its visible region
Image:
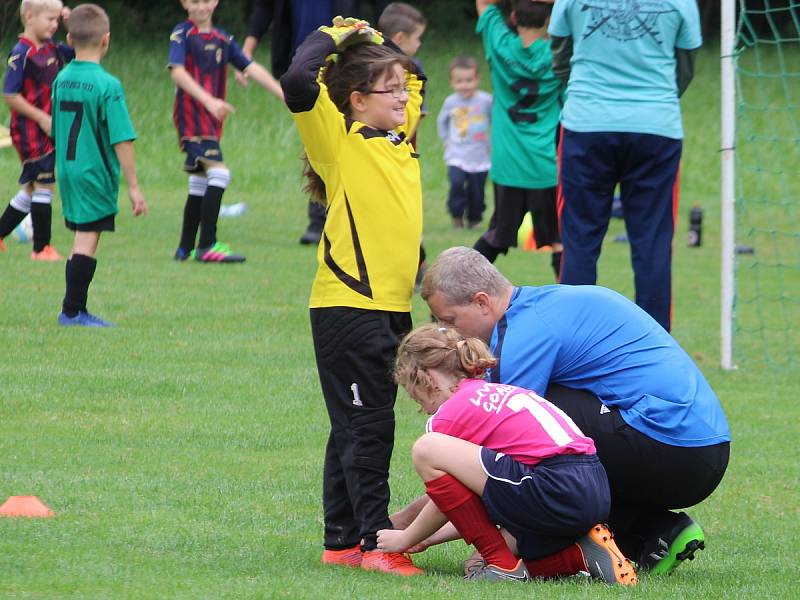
[83, 319]
[493, 573]
[395, 563]
[665, 551]
[218, 253]
[603, 558]
[48, 253]
[349, 557]
[3, 246]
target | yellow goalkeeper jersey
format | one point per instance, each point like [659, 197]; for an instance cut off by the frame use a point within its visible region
[369, 252]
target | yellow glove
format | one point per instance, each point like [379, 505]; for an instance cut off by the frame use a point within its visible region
[349, 31]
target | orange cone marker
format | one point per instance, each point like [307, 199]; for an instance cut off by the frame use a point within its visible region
[25, 506]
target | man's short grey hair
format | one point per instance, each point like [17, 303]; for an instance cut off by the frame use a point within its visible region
[459, 273]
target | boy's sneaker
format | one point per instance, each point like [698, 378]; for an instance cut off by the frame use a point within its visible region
[84, 319]
[218, 253]
[603, 558]
[492, 573]
[395, 563]
[349, 557]
[3, 246]
[665, 551]
[182, 254]
[48, 253]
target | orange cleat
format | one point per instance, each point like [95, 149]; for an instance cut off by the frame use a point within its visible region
[48, 253]
[349, 557]
[3, 246]
[395, 563]
[604, 560]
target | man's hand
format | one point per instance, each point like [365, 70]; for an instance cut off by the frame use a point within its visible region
[349, 31]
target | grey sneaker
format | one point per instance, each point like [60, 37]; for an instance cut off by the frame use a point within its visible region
[603, 558]
[493, 573]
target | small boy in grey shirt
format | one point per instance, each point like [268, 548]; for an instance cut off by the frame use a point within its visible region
[463, 125]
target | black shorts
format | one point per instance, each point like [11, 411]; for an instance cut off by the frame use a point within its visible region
[104, 224]
[39, 170]
[200, 154]
[510, 206]
[547, 506]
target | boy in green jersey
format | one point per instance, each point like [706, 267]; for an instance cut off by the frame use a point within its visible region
[525, 115]
[93, 138]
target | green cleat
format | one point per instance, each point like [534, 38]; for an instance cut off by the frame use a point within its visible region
[664, 552]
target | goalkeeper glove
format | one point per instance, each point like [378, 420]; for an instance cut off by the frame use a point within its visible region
[350, 31]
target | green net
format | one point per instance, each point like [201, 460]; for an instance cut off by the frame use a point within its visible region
[767, 298]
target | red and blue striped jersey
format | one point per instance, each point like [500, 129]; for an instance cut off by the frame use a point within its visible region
[30, 74]
[205, 56]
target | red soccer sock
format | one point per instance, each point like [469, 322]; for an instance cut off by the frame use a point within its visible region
[565, 562]
[465, 510]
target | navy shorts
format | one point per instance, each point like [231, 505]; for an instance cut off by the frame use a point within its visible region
[510, 206]
[547, 506]
[104, 224]
[200, 154]
[39, 170]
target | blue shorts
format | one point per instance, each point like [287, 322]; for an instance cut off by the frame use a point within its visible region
[200, 154]
[547, 506]
[39, 170]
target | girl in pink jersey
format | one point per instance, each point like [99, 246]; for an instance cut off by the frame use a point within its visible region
[501, 455]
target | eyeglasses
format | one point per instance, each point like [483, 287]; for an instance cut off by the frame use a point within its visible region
[396, 93]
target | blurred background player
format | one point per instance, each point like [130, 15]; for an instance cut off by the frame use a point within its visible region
[463, 125]
[404, 25]
[626, 64]
[525, 115]
[354, 115]
[500, 454]
[198, 57]
[93, 138]
[33, 64]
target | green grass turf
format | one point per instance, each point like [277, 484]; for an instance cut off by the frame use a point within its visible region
[182, 451]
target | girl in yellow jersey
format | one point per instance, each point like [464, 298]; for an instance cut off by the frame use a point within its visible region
[355, 100]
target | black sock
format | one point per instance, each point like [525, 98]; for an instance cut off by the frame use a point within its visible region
[555, 260]
[208, 216]
[79, 273]
[10, 219]
[191, 221]
[489, 251]
[41, 219]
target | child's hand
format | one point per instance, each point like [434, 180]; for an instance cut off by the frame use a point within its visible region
[46, 124]
[219, 108]
[349, 31]
[138, 202]
[241, 78]
[392, 540]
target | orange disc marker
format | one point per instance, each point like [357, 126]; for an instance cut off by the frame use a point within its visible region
[25, 506]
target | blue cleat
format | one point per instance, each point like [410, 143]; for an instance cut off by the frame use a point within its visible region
[182, 254]
[84, 319]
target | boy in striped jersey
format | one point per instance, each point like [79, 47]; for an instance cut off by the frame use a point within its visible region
[198, 57]
[33, 64]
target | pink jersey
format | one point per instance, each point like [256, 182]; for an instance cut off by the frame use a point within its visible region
[511, 420]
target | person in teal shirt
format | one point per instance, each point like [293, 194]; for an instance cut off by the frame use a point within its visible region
[626, 64]
[525, 116]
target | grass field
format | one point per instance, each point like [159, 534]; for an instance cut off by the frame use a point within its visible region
[182, 451]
